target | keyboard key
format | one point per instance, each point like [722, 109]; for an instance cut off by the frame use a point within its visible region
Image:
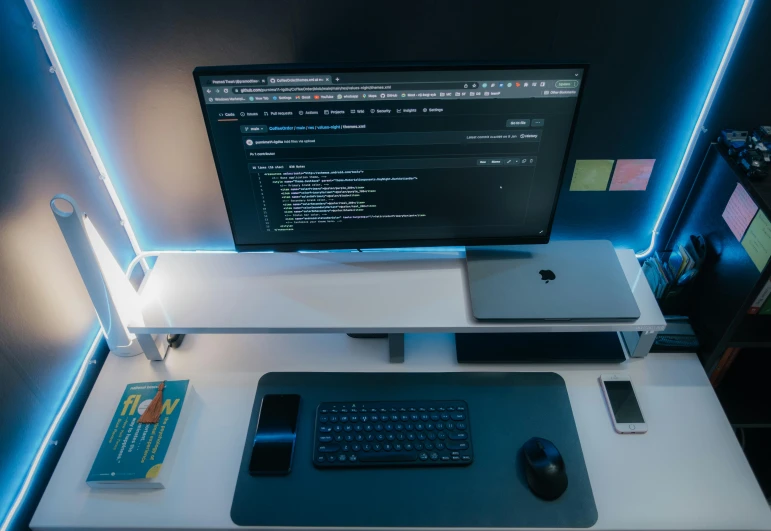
[353, 458]
[338, 438]
[344, 418]
[419, 427]
[387, 447]
[345, 448]
[399, 427]
[378, 427]
[389, 457]
[439, 446]
[370, 437]
[441, 435]
[326, 448]
[359, 437]
[399, 436]
[431, 436]
[338, 428]
[397, 447]
[440, 426]
[424, 417]
[333, 418]
[428, 446]
[414, 417]
[355, 447]
[460, 425]
[457, 446]
[368, 427]
[325, 438]
[323, 418]
[341, 458]
[354, 418]
[409, 427]
[331, 458]
[418, 446]
[445, 458]
[444, 416]
[380, 437]
[325, 429]
[321, 459]
[408, 446]
[364, 418]
[421, 436]
[429, 426]
[391, 437]
[450, 426]
[423, 456]
[376, 447]
[404, 418]
[394, 418]
[465, 458]
[458, 416]
[389, 427]
[434, 456]
[410, 436]
[461, 408]
[349, 437]
[459, 436]
[348, 427]
[434, 417]
[366, 447]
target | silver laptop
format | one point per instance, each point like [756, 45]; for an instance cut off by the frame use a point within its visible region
[563, 280]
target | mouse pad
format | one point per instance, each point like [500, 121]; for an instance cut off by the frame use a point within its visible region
[506, 409]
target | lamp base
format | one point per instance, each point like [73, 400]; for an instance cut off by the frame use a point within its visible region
[127, 351]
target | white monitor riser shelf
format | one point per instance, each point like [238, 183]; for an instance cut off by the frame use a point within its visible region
[392, 293]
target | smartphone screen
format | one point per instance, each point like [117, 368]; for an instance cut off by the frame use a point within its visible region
[275, 435]
[623, 402]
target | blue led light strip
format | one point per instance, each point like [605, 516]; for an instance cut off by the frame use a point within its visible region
[104, 176]
[697, 128]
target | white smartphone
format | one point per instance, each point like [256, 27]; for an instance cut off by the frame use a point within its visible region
[625, 412]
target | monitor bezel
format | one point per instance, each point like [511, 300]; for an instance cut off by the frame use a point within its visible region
[386, 67]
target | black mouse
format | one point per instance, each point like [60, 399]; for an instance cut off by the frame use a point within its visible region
[544, 468]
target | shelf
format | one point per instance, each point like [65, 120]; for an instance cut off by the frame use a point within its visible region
[759, 190]
[744, 392]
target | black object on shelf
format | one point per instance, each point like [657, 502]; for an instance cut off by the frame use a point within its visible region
[570, 347]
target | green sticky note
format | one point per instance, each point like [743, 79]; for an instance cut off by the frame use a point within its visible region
[757, 240]
[591, 175]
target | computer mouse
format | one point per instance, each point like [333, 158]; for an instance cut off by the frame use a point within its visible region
[544, 468]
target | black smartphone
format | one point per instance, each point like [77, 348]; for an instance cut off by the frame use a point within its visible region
[275, 436]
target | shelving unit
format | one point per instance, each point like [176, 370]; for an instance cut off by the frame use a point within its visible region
[729, 281]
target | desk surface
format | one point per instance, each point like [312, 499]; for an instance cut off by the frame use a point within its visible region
[687, 472]
[339, 292]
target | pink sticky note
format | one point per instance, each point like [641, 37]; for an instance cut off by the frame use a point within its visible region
[632, 174]
[739, 211]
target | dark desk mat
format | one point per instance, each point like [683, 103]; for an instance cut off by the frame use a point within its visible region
[506, 409]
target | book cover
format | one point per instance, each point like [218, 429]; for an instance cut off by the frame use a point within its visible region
[132, 454]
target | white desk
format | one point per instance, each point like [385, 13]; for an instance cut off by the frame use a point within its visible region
[687, 472]
[383, 292]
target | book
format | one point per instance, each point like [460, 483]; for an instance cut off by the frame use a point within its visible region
[133, 454]
[758, 303]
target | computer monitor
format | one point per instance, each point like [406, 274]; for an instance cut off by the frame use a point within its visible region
[344, 157]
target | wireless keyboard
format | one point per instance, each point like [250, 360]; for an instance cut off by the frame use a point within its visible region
[414, 433]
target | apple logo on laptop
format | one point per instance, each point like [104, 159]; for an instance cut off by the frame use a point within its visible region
[547, 275]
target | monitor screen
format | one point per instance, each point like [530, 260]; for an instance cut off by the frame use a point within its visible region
[347, 157]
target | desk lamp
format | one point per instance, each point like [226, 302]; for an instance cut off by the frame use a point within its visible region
[114, 298]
